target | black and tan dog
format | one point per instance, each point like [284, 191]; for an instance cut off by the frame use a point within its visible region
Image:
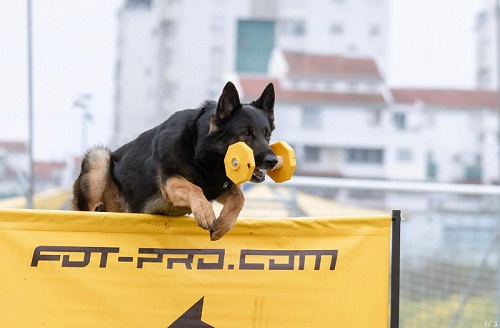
[177, 168]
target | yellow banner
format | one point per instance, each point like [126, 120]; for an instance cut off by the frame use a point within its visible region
[77, 269]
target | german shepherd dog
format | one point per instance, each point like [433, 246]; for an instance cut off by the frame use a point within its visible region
[177, 167]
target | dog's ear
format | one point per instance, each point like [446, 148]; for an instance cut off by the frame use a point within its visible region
[228, 102]
[266, 101]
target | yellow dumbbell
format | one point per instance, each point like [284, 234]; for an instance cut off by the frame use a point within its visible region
[283, 171]
[240, 164]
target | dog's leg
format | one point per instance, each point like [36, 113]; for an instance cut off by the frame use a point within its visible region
[233, 201]
[181, 192]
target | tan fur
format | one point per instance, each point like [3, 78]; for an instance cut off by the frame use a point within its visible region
[98, 160]
[158, 204]
[96, 186]
[213, 127]
[233, 200]
[181, 192]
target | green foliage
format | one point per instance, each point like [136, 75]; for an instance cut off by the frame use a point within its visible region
[439, 312]
[431, 295]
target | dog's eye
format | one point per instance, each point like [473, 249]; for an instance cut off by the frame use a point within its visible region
[247, 133]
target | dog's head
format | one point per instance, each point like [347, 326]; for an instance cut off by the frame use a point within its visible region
[251, 123]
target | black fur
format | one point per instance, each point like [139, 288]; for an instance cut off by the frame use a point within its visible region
[192, 144]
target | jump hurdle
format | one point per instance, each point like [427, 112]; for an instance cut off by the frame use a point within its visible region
[89, 269]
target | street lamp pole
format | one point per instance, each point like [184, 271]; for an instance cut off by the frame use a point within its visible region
[497, 37]
[31, 177]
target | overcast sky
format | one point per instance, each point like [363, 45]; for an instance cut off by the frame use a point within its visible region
[74, 50]
[431, 45]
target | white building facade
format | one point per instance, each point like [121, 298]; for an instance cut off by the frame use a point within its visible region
[14, 165]
[451, 133]
[331, 109]
[343, 123]
[487, 35]
[136, 73]
[174, 54]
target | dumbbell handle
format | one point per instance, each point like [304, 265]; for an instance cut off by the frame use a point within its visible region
[278, 165]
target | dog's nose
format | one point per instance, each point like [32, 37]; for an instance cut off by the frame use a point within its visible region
[270, 161]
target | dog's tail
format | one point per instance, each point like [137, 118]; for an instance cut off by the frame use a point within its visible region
[89, 187]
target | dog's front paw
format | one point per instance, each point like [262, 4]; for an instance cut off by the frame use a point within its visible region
[222, 225]
[203, 213]
[99, 207]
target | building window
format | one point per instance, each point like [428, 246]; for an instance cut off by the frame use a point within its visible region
[353, 48]
[138, 3]
[263, 9]
[353, 86]
[432, 167]
[484, 77]
[481, 18]
[336, 28]
[167, 28]
[311, 154]
[374, 31]
[217, 58]
[312, 117]
[3, 167]
[293, 28]
[399, 121]
[404, 155]
[255, 43]
[218, 23]
[375, 117]
[430, 118]
[365, 156]
[474, 172]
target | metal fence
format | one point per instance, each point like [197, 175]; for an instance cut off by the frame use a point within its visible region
[450, 249]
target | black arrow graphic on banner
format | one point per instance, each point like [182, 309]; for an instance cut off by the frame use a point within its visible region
[191, 318]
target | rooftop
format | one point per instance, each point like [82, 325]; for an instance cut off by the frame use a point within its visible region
[252, 88]
[14, 146]
[301, 64]
[446, 97]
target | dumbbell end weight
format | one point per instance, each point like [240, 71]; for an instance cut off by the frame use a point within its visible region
[239, 163]
[283, 171]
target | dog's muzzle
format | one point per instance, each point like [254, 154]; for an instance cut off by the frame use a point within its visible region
[269, 162]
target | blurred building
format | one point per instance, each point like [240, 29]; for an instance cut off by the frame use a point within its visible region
[486, 46]
[450, 135]
[329, 108]
[13, 166]
[174, 54]
[341, 125]
[50, 174]
[14, 171]
[137, 72]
